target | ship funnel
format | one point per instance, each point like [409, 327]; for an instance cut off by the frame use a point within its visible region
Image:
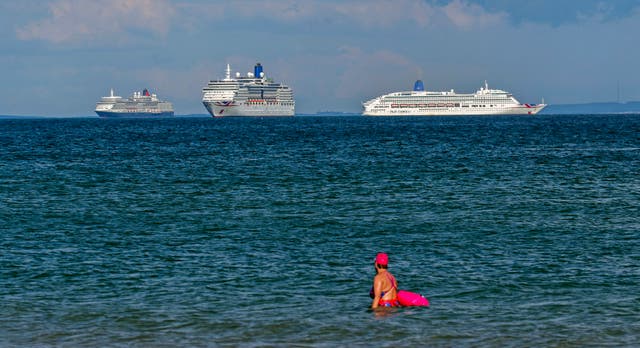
[418, 86]
[146, 93]
[257, 70]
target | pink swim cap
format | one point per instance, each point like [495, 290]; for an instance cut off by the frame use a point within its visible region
[382, 259]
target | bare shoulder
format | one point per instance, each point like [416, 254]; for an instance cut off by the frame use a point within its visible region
[379, 278]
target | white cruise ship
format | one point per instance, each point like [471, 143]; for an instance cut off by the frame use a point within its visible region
[140, 104]
[250, 95]
[426, 103]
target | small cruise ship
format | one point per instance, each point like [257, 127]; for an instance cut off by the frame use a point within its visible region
[140, 104]
[420, 102]
[251, 95]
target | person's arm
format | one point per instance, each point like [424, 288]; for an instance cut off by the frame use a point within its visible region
[377, 292]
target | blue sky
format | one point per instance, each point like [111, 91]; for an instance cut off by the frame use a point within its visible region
[58, 57]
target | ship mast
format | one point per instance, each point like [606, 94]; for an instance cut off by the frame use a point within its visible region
[227, 75]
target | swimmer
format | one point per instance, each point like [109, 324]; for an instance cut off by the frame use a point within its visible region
[385, 287]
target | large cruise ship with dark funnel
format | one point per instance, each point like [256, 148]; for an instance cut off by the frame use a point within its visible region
[251, 95]
[140, 104]
[421, 102]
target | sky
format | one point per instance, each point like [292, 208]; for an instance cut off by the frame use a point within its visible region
[58, 57]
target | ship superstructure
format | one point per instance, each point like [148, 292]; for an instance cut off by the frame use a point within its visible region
[140, 104]
[251, 95]
[420, 102]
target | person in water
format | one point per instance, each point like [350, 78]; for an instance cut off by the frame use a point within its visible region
[385, 287]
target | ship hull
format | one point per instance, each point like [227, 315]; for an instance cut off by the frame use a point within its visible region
[107, 114]
[456, 111]
[242, 110]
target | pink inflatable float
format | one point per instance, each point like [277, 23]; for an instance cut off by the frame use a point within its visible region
[408, 298]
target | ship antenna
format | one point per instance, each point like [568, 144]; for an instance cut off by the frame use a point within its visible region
[486, 85]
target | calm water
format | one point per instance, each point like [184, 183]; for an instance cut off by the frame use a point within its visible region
[262, 232]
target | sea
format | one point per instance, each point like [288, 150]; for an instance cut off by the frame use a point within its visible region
[261, 232]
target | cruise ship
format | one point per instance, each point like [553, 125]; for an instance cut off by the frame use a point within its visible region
[140, 104]
[250, 95]
[420, 102]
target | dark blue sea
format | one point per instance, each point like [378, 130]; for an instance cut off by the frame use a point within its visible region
[253, 232]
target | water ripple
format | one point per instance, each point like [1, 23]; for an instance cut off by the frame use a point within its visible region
[261, 232]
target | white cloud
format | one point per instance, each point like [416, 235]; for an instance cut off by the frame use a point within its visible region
[178, 84]
[115, 20]
[365, 13]
[348, 74]
[80, 20]
[467, 15]
[365, 72]
[286, 10]
[385, 13]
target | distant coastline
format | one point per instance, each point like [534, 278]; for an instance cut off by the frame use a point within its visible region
[632, 107]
